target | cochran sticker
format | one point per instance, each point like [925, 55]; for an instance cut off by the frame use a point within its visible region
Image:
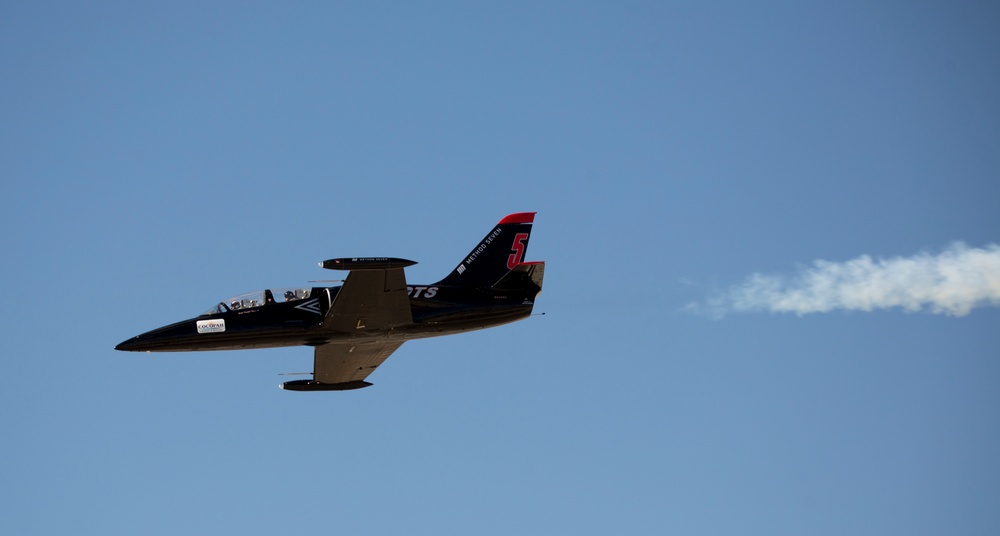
[211, 326]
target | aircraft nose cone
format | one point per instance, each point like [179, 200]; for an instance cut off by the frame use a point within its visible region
[128, 346]
[171, 337]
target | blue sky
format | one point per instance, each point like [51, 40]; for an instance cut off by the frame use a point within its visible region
[156, 159]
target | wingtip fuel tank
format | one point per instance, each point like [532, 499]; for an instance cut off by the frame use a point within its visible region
[310, 385]
[366, 263]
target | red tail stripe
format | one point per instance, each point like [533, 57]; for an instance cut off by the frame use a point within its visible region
[520, 217]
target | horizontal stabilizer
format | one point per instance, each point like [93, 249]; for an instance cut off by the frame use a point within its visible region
[366, 263]
[310, 385]
[524, 276]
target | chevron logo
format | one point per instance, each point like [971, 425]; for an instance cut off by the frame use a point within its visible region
[312, 306]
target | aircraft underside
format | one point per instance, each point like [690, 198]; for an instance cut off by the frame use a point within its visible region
[181, 338]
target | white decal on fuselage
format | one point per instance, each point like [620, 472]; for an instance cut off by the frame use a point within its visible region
[211, 326]
[421, 292]
[312, 306]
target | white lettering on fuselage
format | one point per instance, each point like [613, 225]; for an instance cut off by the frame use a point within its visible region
[421, 292]
[211, 326]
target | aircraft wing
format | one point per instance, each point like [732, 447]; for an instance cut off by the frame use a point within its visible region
[347, 363]
[370, 299]
[342, 366]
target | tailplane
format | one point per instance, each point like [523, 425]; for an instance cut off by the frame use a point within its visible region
[524, 276]
[497, 254]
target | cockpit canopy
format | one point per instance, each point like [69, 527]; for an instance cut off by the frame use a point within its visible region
[259, 298]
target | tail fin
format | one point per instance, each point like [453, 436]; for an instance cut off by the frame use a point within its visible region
[497, 254]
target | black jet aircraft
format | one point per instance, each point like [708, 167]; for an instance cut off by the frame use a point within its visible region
[354, 327]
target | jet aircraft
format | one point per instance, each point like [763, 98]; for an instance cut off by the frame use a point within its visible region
[354, 327]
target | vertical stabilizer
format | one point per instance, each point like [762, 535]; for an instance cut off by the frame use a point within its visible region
[499, 252]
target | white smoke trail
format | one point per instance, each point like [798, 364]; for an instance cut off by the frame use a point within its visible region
[952, 283]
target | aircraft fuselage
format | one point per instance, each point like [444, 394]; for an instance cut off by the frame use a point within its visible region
[437, 310]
